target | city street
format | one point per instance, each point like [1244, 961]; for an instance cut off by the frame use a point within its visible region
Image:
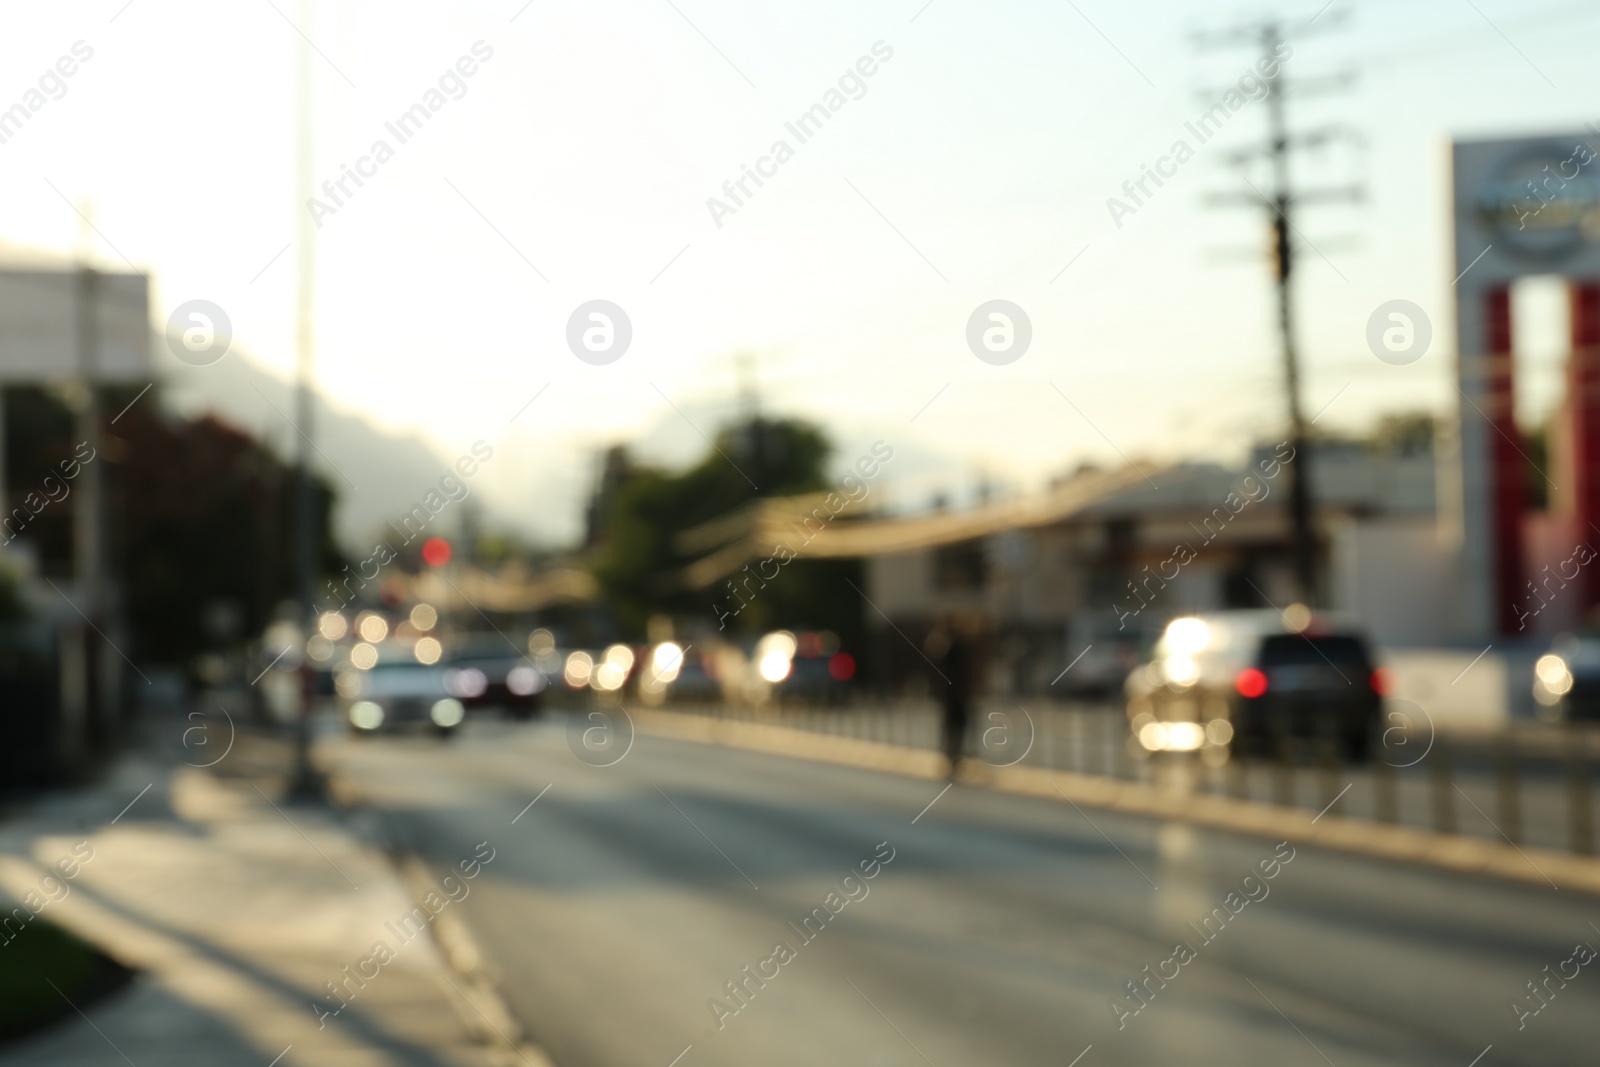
[997, 930]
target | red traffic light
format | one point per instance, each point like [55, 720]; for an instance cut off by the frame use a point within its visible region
[436, 552]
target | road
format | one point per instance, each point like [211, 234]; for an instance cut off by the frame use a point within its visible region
[616, 908]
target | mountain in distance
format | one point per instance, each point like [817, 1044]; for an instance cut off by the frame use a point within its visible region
[377, 475]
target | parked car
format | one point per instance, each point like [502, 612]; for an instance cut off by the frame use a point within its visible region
[488, 672]
[1257, 682]
[396, 693]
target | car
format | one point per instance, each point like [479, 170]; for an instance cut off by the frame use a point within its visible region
[1257, 682]
[488, 672]
[397, 692]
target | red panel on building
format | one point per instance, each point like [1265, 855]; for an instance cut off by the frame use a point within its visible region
[1583, 403]
[1508, 464]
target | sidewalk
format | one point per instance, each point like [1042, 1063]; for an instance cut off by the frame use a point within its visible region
[237, 909]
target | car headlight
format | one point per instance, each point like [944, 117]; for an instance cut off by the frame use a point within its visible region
[774, 666]
[447, 712]
[366, 715]
[524, 681]
[1553, 671]
[466, 682]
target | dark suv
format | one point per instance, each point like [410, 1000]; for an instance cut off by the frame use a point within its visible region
[489, 672]
[1257, 682]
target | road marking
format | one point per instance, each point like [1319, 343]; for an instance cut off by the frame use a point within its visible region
[1332, 802]
[932, 802]
[534, 801]
[132, 802]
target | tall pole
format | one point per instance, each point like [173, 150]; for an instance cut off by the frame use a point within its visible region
[94, 701]
[1305, 534]
[1282, 201]
[305, 519]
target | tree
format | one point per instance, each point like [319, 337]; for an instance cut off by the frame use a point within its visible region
[635, 534]
[207, 517]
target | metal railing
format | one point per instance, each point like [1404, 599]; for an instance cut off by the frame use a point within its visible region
[1530, 784]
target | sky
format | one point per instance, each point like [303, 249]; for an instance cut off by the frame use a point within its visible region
[976, 165]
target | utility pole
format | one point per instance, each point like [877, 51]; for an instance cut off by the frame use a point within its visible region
[1281, 202]
[94, 710]
[305, 782]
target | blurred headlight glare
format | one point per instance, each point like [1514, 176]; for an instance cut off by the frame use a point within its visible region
[524, 681]
[366, 715]
[466, 682]
[447, 712]
[578, 668]
[1185, 637]
[774, 666]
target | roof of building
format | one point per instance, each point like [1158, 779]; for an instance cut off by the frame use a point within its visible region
[807, 526]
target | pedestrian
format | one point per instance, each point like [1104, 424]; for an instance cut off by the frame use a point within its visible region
[950, 649]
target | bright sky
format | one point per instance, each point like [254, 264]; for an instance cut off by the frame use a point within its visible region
[976, 166]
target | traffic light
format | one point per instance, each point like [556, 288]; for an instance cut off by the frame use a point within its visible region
[436, 552]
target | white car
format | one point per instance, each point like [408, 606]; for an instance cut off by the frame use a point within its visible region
[398, 692]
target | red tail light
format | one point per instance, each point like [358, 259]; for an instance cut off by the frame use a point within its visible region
[1250, 682]
[1382, 681]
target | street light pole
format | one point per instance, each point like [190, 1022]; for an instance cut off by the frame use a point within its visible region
[306, 782]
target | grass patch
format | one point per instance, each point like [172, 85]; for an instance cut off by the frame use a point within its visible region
[43, 953]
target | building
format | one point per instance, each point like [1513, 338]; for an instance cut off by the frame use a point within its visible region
[1105, 558]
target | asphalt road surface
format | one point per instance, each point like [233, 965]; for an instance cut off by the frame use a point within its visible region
[618, 906]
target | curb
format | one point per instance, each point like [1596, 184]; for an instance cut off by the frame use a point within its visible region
[1465, 855]
[490, 1020]
[483, 1012]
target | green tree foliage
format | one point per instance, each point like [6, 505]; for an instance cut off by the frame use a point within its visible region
[639, 564]
[1408, 433]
